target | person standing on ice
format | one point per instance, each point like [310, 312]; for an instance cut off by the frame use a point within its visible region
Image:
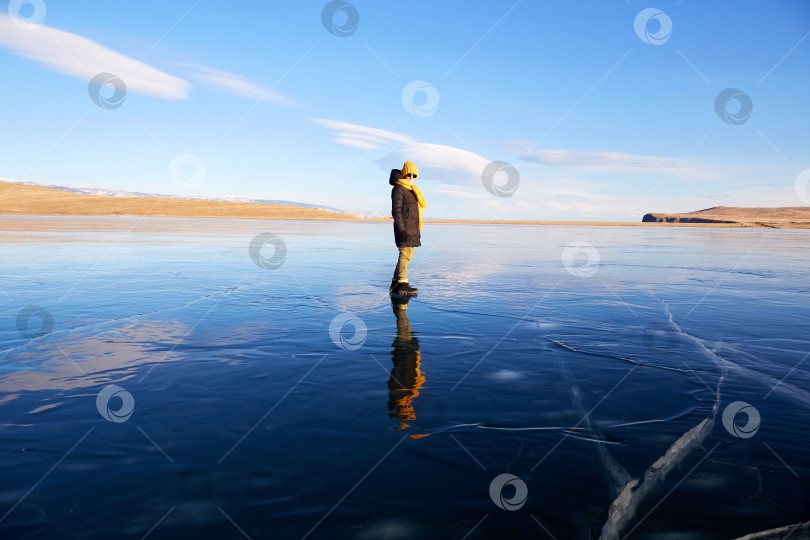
[407, 203]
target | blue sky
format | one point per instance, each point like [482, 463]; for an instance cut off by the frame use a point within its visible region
[600, 110]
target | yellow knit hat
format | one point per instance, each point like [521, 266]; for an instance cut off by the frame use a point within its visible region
[409, 168]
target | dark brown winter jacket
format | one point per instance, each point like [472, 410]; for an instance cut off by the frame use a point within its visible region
[405, 211]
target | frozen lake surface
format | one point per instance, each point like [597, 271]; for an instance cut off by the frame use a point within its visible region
[171, 378]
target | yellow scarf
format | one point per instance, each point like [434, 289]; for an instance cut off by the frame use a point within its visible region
[419, 197]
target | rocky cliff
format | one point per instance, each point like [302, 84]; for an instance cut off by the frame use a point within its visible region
[783, 217]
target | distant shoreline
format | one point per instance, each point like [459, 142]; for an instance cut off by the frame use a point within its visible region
[580, 223]
[4, 214]
[26, 200]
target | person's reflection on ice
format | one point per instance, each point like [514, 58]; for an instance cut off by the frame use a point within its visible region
[406, 374]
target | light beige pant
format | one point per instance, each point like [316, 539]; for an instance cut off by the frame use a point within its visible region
[401, 271]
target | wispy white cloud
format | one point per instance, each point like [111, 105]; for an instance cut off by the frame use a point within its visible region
[446, 164]
[577, 194]
[357, 142]
[459, 193]
[459, 175]
[84, 58]
[437, 162]
[237, 85]
[566, 199]
[578, 159]
[361, 136]
[607, 161]
[451, 165]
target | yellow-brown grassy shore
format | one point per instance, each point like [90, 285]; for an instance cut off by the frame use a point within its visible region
[21, 200]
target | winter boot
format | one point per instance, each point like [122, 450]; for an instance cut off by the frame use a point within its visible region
[404, 288]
